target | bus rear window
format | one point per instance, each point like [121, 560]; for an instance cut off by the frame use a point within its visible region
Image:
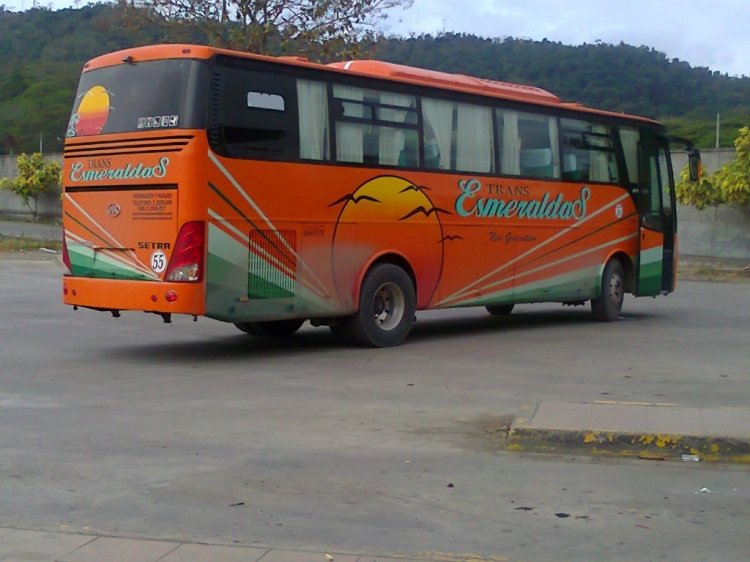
[141, 96]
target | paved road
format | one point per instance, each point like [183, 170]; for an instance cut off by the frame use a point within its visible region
[196, 432]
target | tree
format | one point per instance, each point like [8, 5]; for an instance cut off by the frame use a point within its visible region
[35, 176]
[700, 194]
[729, 185]
[324, 28]
[733, 179]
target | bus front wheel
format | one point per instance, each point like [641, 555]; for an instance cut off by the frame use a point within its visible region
[387, 302]
[274, 328]
[608, 305]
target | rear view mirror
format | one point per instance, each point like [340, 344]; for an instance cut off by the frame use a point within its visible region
[694, 164]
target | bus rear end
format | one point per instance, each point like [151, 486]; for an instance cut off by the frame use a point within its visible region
[134, 226]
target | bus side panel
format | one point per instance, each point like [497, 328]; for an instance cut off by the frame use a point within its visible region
[650, 262]
[305, 255]
[520, 240]
[566, 263]
[273, 256]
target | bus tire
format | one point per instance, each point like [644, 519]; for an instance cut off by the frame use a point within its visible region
[608, 305]
[273, 329]
[387, 301]
[499, 309]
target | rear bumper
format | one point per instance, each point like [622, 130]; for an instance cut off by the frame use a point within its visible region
[149, 296]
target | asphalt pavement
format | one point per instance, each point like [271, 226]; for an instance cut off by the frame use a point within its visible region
[528, 438]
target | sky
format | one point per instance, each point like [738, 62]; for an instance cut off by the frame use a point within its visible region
[707, 33]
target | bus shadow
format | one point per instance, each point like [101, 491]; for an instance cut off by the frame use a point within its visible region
[439, 328]
[225, 348]
[320, 340]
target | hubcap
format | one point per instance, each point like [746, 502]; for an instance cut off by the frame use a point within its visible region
[388, 306]
[616, 292]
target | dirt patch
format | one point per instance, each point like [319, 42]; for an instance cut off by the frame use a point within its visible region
[708, 269]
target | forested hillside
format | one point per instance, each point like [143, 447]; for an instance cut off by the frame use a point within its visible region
[43, 52]
[638, 80]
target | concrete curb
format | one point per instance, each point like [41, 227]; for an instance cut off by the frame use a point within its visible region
[525, 436]
[635, 445]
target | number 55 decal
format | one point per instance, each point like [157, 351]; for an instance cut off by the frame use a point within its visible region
[158, 261]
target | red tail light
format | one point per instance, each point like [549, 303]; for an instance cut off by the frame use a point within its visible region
[186, 263]
[66, 257]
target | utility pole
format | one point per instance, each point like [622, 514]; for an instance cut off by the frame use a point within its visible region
[717, 130]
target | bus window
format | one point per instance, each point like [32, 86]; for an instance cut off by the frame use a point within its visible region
[375, 127]
[629, 141]
[254, 115]
[313, 120]
[438, 130]
[588, 152]
[528, 144]
[458, 136]
[664, 181]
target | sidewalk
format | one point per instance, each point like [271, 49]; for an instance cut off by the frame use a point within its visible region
[633, 429]
[41, 546]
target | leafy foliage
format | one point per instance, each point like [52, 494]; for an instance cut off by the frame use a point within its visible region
[729, 185]
[35, 176]
[733, 179]
[700, 194]
[325, 28]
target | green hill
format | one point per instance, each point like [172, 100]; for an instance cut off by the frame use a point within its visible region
[43, 52]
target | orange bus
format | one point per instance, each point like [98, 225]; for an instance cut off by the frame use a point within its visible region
[267, 191]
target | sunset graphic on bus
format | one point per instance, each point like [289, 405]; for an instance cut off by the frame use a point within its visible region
[93, 111]
[389, 200]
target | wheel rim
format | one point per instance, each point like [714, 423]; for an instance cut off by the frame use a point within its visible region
[616, 291]
[388, 306]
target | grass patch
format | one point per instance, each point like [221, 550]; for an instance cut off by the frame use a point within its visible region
[16, 244]
[713, 271]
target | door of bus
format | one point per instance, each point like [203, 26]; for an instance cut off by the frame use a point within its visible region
[655, 270]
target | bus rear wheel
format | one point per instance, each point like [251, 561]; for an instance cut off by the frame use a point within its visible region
[608, 305]
[387, 302]
[499, 309]
[274, 328]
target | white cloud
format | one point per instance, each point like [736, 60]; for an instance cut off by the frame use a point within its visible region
[712, 34]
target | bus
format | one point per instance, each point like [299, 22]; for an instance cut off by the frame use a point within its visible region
[269, 191]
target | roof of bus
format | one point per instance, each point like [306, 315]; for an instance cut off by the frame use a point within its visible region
[371, 68]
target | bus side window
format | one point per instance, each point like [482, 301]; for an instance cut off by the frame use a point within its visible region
[457, 136]
[254, 115]
[314, 135]
[588, 152]
[437, 116]
[528, 144]
[374, 127]
[629, 138]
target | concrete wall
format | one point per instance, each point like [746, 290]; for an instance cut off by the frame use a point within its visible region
[723, 232]
[712, 159]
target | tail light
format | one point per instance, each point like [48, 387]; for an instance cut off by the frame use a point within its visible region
[186, 263]
[66, 257]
